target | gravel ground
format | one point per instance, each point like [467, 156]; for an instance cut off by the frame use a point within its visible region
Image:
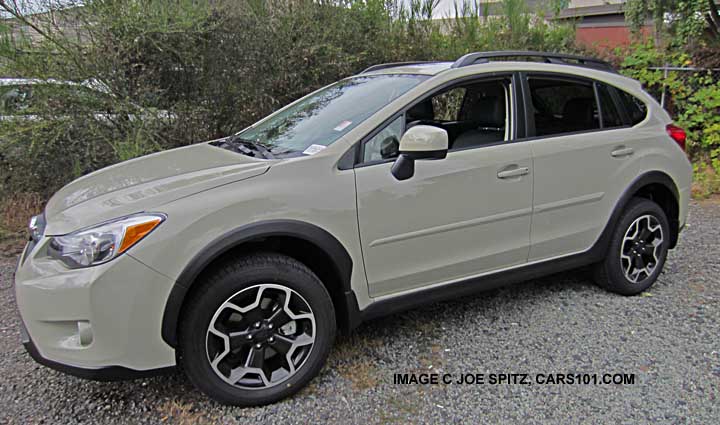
[667, 338]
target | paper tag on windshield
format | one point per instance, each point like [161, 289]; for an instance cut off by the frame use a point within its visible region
[342, 125]
[313, 149]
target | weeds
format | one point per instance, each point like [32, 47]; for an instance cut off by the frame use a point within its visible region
[175, 412]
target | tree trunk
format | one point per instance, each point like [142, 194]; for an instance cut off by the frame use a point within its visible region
[714, 17]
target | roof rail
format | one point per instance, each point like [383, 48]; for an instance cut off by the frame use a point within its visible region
[393, 64]
[556, 58]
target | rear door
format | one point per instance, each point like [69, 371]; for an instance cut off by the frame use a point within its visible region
[579, 149]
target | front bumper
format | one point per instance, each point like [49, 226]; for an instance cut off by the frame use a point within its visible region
[100, 322]
[106, 373]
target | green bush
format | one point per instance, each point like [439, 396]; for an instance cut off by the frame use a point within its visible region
[215, 67]
[692, 98]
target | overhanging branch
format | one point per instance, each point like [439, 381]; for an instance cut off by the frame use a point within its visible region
[16, 14]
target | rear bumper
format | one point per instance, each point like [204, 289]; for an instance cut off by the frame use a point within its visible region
[683, 207]
[107, 373]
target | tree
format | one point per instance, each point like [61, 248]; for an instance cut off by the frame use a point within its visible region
[677, 22]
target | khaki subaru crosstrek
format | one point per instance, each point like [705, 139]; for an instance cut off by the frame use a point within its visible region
[239, 259]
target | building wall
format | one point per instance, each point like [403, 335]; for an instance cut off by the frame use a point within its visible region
[601, 24]
[65, 22]
[604, 38]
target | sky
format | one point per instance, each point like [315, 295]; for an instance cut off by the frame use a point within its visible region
[446, 8]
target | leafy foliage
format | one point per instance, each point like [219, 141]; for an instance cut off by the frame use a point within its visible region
[183, 71]
[693, 99]
[677, 22]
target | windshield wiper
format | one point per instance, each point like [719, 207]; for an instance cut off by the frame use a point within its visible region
[249, 148]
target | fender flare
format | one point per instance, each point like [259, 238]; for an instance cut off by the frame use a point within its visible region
[651, 177]
[341, 262]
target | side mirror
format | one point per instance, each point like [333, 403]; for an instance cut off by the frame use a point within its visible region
[419, 142]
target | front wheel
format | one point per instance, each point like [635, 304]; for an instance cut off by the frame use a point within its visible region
[637, 250]
[258, 330]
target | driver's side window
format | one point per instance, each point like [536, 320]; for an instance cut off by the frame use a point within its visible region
[386, 143]
[447, 105]
[474, 114]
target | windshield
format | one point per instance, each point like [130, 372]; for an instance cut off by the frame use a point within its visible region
[321, 118]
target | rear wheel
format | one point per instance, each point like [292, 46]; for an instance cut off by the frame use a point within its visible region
[637, 250]
[257, 331]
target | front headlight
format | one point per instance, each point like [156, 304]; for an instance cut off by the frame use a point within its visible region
[36, 228]
[101, 243]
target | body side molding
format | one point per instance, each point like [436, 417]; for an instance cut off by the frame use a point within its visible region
[531, 271]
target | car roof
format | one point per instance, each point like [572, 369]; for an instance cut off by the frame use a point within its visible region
[557, 62]
[437, 68]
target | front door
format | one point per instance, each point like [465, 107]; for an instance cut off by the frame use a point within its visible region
[456, 217]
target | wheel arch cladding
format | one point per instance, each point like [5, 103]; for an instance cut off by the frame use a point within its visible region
[307, 243]
[661, 189]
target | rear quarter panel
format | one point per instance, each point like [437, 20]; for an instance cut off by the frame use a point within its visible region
[657, 151]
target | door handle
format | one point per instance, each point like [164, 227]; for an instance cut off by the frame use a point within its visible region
[515, 172]
[622, 151]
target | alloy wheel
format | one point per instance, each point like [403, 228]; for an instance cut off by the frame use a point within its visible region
[261, 336]
[641, 248]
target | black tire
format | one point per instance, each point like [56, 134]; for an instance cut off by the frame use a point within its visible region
[225, 283]
[610, 273]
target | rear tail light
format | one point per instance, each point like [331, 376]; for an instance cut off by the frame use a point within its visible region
[677, 134]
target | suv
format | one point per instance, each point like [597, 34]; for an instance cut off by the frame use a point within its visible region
[240, 258]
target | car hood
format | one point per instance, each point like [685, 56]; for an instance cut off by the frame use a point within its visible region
[145, 183]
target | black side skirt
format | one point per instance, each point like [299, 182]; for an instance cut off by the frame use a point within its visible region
[479, 284]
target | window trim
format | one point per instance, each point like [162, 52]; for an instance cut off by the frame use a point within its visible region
[624, 115]
[359, 147]
[624, 108]
[375, 132]
[523, 125]
[598, 102]
[528, 124]
[557, 75]
[612, 91]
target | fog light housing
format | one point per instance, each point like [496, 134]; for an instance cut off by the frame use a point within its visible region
[85, 333]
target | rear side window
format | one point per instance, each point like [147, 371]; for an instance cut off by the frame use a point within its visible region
[563, 105]
[636, 108]
[610, 115]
